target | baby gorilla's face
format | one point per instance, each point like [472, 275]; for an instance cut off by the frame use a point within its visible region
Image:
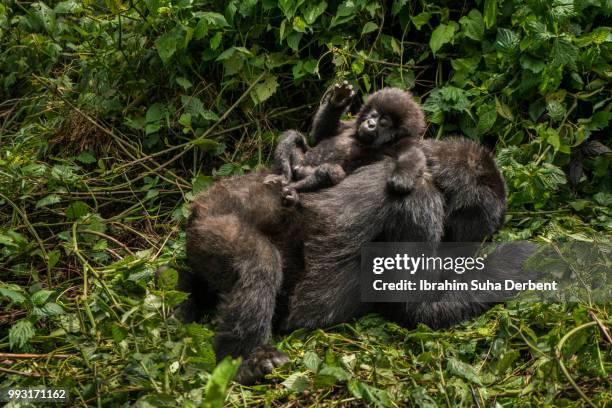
[376, 128]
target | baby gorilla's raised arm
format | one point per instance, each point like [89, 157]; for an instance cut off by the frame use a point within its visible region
[326, 122]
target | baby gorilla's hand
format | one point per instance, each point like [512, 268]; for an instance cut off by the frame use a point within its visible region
[341, 94]
[261, 362]
[401, 182]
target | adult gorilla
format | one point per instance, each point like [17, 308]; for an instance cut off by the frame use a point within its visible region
[271, 265]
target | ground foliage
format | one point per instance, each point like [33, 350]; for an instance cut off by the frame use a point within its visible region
[114, 114]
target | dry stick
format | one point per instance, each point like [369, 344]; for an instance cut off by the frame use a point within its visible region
[9, 371]
[26, 355]
[115, 240]
[604, 329]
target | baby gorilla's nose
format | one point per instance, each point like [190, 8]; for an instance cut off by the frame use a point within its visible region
[371, 124]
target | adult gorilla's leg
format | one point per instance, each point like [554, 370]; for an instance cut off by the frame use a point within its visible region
[228, 251]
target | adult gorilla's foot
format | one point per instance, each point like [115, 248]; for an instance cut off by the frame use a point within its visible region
[261, 362]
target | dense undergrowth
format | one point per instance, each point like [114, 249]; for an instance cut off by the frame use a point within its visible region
[114, 114]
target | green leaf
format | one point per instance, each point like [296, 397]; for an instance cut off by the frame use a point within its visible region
[14, 293]
[313, 11]
[507, 41]
[563, 52]
[533, 64]
[370, 394]
[369, 27]
[553, 139]
[184, 82]
[311, 361]
[39, 298]
[420, 20]
[297, 382]
[167, 278]
[463, 370]
[86, 158]
[293, 40]
[556, 110]
[216, 388]
[443, 34]
[264, 90]
[215, 41]
[53, 258]
[48, 200]
[213, 19]
[604, 199]
[20, 333]
[472, 25]
[490, 13]
[49, 309]
[167, 44]
[201, 183]
[487, 114]
[76, 209]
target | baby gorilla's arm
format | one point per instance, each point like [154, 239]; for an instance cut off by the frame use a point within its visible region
[288, 154]
[327, 122]
[409, 168]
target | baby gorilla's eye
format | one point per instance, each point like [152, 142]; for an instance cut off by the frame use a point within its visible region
[384, 121]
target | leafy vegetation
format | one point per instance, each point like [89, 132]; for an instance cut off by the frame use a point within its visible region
[115, 114]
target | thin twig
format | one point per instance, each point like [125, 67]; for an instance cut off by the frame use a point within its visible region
[28, 355]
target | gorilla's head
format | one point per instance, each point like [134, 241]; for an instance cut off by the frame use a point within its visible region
[389, 115]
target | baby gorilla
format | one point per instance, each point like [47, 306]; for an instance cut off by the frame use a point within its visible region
[389, 124]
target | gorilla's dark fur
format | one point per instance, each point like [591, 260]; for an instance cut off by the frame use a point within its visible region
[290, 267]
[389, 124]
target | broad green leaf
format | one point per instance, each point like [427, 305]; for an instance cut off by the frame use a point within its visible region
[20, 333]
[265, 89]
[533, 64]
[507, 41]
[313, 11]
[369, 394]
[487, 114]
[443, 34]
[556, 110]
[297, 382]
[201, 183]
[311, 361]
[48, 200]
[563, 52]
[184, 82]
[168, 43]
[76, 209]
[490, 13]
[472, 25]
[216, 388]
[39, 298]
[167, 278]
[369, 27]
[14, 293]
[420, 20]
[293, 40]
[463, 370]
[215, 41]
